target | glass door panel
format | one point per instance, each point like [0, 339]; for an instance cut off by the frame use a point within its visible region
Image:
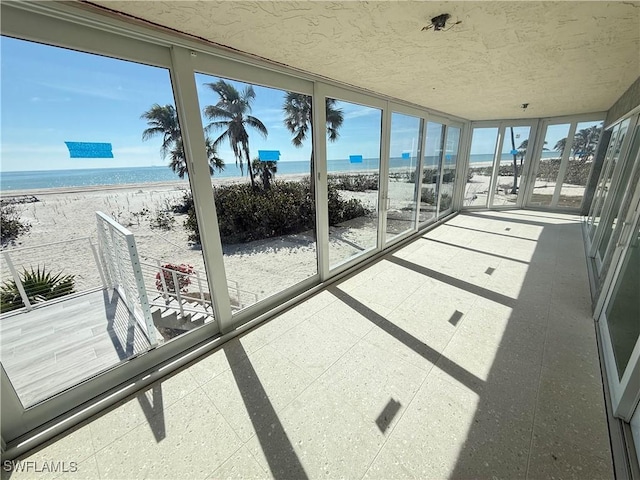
[618, 317]
[509, 166]
[404, 151]
[483, 149]
[605, 166]
[549, 162]
[266, 213]
[606, 177]
[623, 309]
[452, 144]
[353, 172]
[583, 150]
[431, 170]
[84, 293]
[629, 179]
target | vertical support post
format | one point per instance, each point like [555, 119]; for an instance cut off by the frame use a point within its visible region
[16, 278]
[443, 150]
[383, 176]
[319, 137]
[419, 169]
[176, 286]
[163, 280]
[200, 287]
[188, 106]
[142, 291]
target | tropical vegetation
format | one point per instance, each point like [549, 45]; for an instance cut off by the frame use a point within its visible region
[299, 121]
[11, 225]
[584, 143]
[231, 115]
[247, 214]
[39, 285]
[162, 120]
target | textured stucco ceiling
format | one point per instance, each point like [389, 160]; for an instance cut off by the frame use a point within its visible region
[560, 57]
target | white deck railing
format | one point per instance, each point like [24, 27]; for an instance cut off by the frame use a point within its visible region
[119, 254]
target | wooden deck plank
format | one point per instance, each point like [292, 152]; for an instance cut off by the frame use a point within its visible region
[54, 347]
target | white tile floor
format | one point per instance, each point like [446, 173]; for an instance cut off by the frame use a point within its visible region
[469, 353]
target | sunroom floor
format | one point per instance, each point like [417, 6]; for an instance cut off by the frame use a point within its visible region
[468, 353]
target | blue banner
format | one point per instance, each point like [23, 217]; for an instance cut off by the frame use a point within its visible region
[89, 150]
[355, 158]
[406, 155]
[269, 155]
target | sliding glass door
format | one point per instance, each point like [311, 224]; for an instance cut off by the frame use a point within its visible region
[499, 153]
[449, 166]
[353, 181]
[619, 316]
[564, 156]
[619, 204]
[405, 149]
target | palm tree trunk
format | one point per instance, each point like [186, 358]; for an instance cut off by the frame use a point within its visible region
[246, 154]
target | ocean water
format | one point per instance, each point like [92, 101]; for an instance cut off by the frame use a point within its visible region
[30, 180]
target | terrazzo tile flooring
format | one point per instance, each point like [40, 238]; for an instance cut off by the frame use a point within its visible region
[469, 353]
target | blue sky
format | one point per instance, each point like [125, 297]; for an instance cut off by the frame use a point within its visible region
[51, 95]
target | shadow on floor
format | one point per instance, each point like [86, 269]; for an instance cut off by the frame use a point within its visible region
[415, 344]
[276, 445]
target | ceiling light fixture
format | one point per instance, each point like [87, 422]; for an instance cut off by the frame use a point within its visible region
[439, 23]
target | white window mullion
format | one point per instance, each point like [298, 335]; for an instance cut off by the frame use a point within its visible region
[188, 107]
[319, 136]
[383, 182]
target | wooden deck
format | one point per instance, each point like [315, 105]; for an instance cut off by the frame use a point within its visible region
[54, 347]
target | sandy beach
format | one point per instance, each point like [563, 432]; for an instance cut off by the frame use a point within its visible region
[477, 190]
[63, 222]
[63, 227]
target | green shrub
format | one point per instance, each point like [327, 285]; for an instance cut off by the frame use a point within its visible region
[354, 183]
[162, 220]
[577, 172]
[185, 205]
[548, 170]
[445, 201]
[11, 226]
[428, 196]
[39, 285]
[246, 214]
[341, 210]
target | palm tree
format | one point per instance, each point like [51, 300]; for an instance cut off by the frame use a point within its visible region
[560, 146]
[163, 120]
[299, 121]
[178, 161]
[585, 141]
[231, 114]
[265, 170]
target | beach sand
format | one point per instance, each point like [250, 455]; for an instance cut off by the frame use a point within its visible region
[66, 218]
[477, 190]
